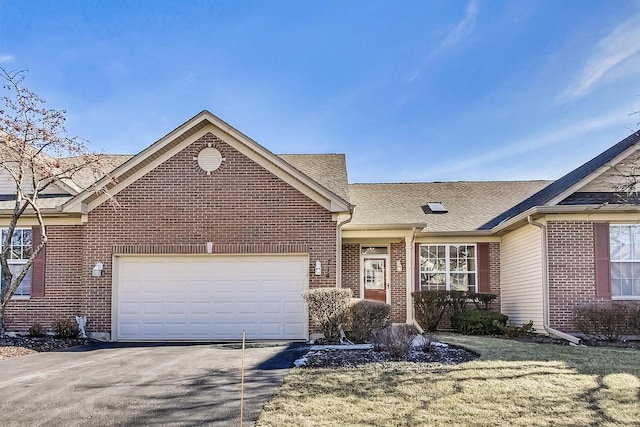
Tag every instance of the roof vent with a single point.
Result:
(434, 208)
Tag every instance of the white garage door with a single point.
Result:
(176, 297)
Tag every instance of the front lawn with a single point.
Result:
(513, 383)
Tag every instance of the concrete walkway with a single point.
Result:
(146, 384)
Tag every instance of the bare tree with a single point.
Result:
(35, 154)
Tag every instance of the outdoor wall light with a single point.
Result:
(398, 265)
(318, 268)
(97, 270)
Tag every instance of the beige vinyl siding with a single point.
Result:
(521, 276)
(615, 177)
(8, 185)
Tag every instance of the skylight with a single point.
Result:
(434, 207)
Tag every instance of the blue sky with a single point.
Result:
(409, 90)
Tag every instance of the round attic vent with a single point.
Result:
(209, 159)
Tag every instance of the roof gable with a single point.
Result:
(572, 182)
(181, 137)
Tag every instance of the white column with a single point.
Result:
(409, 275)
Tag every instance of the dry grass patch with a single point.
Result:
(513, 383)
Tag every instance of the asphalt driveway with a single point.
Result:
(142, 385)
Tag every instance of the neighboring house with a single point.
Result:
(211, 234)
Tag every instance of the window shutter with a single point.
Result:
(484, 273)
(38, 267)
(602, 259)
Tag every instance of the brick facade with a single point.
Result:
(398, 283)
(571, 270)
(176, 203)
(351, 268)
(494, 273)
(63, 295)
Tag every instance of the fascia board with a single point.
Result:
(399, 226)
(49, 220)
(469, 233)
(563, 209)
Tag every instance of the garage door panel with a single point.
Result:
(191, 297)
(271, 307)
(151, 308)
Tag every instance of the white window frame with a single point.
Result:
(448, 272)
(26, 282)
(623, 261)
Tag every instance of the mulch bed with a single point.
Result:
(440, 355)
(22, 346)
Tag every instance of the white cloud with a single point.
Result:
(618, 118)
(619, 45)
(464, 28)
(458, 33)
(6, 58)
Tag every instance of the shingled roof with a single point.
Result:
(561, 185)
(469, 204)
(328, 170)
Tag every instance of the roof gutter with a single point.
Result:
(545, 285)
(339, 246)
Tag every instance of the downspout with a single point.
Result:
(545, 286)
(339, 247)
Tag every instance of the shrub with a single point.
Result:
(367, 316)
(65, 328)
(604, 321)
(396, 339)
(513, 331)
(37, 330)
(330, 308)
(479, 322)
(481, 300)
(634, 318)
(429, 308)
(458, 301)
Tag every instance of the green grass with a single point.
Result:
(512, 384)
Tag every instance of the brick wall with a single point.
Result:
(63, 293)
(571, 270)
(177, 203)
(494, 273)
(351, 268)
(398, 283)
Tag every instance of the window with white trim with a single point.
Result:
(448, 267)
(624, 251)
(19, 254)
